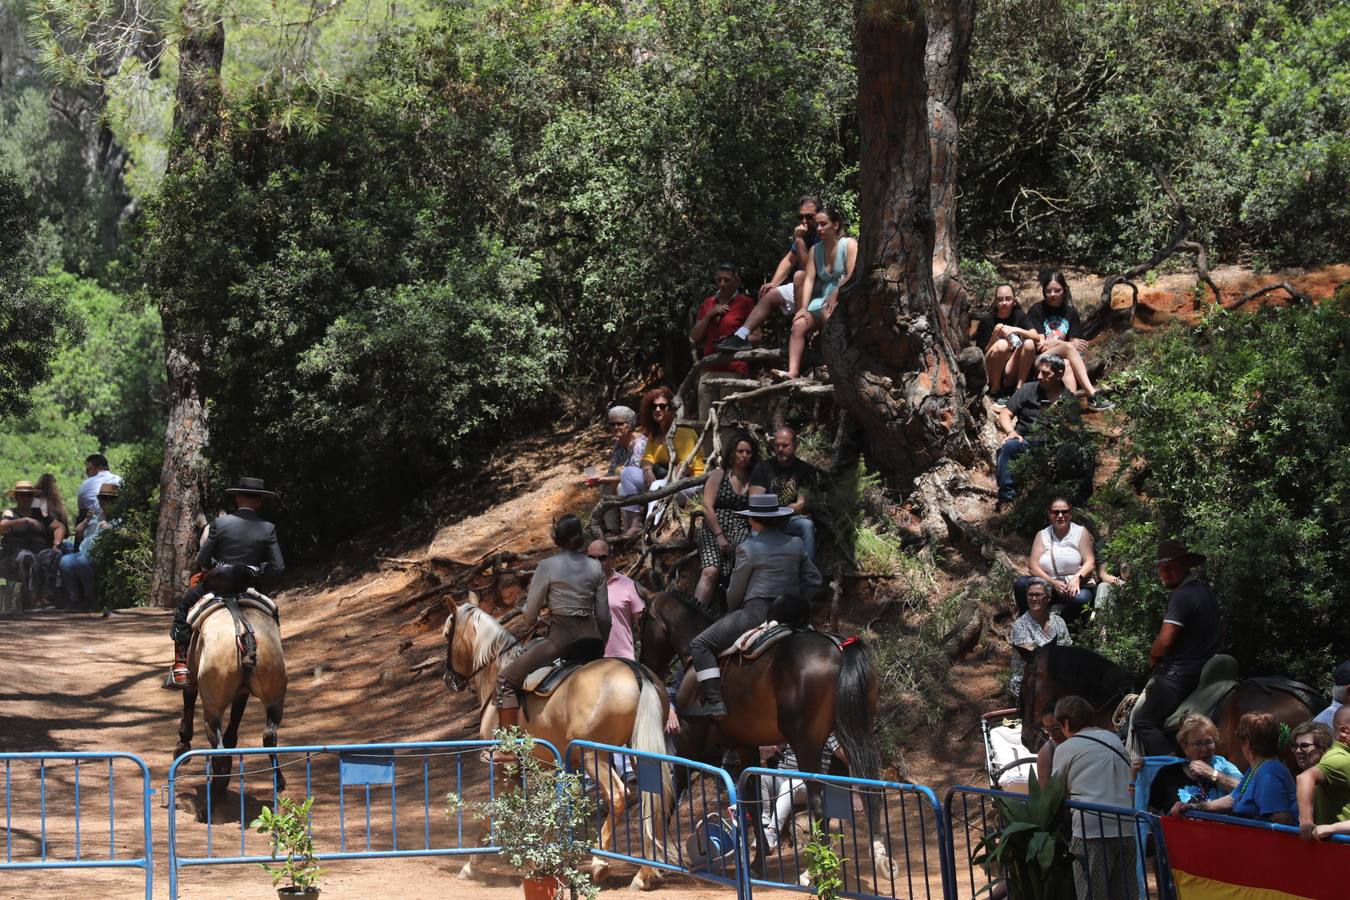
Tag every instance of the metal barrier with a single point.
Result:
(695, 832)
(890, 834)
(63, 840)
(1107, 858)
(430, 768)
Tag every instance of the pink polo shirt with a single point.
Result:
(624, 607)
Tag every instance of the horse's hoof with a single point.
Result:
(466, 873)
(599, 871)
(181, 749)
(647, 882)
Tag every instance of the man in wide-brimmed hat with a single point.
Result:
(1192, 632)
(238, 538)
(769, 564)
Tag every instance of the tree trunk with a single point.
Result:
(891, 361)
(182, 481)
(946, 60)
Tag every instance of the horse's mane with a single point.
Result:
(490, 637)
(692, 603)
(1091, 675)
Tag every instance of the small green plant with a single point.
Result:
(823, 862)
(288, 830)
(538, 821)
(1030, 848)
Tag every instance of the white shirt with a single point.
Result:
(1327, 715)
(87, 495)
(1061, 556)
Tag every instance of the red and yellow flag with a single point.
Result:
(1218, 861)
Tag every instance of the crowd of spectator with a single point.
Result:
(46, 560)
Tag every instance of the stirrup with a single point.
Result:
(179, 672)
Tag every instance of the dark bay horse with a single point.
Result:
(1053, 671)
(796, 693)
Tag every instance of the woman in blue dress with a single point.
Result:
(828, 267)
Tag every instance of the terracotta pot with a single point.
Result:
(290, 893)
(545, 888)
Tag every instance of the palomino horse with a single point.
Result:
(604, 701)
(797, 692)
(225, 680)
(1053, 671)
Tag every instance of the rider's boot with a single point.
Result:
(179, 673)
(711, 692)
(507, 717)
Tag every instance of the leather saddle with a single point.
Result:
(1219, 678)
(545, 680)
(755, 642)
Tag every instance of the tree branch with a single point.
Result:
(1294, 293)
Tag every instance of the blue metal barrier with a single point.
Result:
(88, 787)
(430, 769)
(1259, 823)
(891, 835)
(1115, 867)
(699, 811)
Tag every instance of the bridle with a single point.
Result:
(453, 680)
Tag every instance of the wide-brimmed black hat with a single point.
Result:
(1170, 550)
(252, 486)
(765, 506)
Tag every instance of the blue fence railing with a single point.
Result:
(682, 816)
(61, 812)
(890, 835)
(371, 800)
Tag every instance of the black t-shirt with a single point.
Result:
(1194, 607)
(28, 538)
(785, 482)
(1060, 323)
(1029, 401)
(1169, 781)
(985, 332)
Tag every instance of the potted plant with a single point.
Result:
(1030, 849)
(288, 830)
(537, 821)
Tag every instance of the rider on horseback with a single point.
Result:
(238, 538)
(769, 564)
(573, 587)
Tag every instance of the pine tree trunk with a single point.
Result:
(182, 481)
(891, 361)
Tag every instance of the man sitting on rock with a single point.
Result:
(719, 317)
(238, 538)
(769, 564)
(1018, 420)
(788, 478)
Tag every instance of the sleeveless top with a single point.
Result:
(1060, 556)
(827, 279)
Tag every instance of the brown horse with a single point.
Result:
(1053, 671)
(796, 693)
(604, 701)
(225, 679)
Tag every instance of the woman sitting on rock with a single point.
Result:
(829, 266)
(1035, 628)
(1063, 553)
(1055, 320)
(624, 475)
(726, 491)
(1008, 342)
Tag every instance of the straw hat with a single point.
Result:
(23, 487)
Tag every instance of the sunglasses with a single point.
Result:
(601, 558)
(1061, 512)
(807, 217)
(660, 406)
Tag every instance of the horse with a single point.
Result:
(796, 692)
(226, 677)
(609, 701)
(1053, 671)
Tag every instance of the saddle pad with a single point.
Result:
(544, 681)
(1204, 700)
(758, 639)
(210, 604)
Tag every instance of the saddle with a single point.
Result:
(1219, 678)
(543, 681)
(246, 642)
(755, 642)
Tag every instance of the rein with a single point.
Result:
(457, 681)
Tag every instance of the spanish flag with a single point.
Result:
(1218, 861)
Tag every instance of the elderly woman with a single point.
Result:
(1308, 742)
(1035, 628)
(1267, 791)
(1064, 554)
(624, 475)
(726, 491)
(1203, 775)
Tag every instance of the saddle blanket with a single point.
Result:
(545, 680)
(210, 604)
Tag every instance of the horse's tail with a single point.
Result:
(649, 736)
(854, 709)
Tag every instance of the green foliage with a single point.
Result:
(124, 555)
(32, 320)
(1030, 849)
(540, 822)
(289, 832)
(1059, 466)
(1071, 106)
(823, 863)
(1258, 482)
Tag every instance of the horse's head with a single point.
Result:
(459, 641)
(1037, 691)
